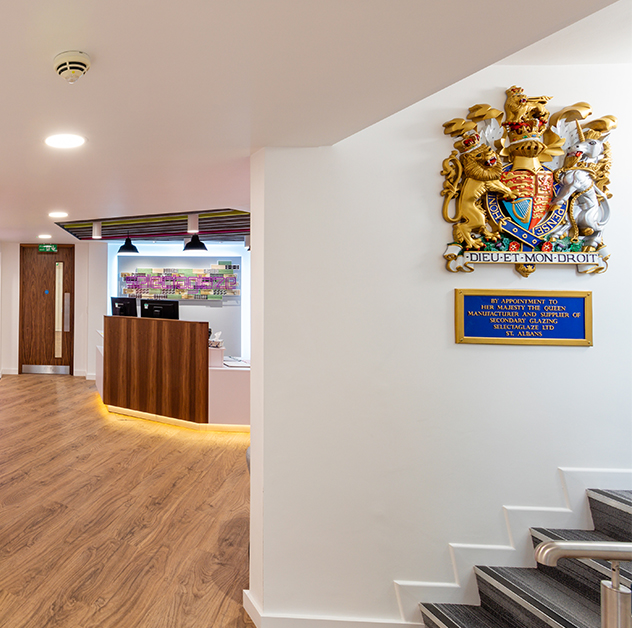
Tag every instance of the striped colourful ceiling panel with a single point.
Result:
(215, 224)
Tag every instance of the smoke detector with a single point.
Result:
(72, 65)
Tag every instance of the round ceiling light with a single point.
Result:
(65, 140)
(58, 214)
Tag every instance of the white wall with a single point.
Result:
(10, 306)
(97, 302)
(1, 310)
(258, 374)
(377, 441)
(82, 288)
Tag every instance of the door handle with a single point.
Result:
(59, 307)
(66, 311)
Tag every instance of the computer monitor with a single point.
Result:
(124, 306)
(155, 308)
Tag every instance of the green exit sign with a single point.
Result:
(47, 248)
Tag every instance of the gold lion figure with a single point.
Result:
(467, 179)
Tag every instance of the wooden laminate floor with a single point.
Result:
(107, 521)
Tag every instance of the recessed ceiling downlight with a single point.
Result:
(65, 140)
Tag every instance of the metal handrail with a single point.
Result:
(616, 600)
(550, 552)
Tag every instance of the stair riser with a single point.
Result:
(577, 576)
(456, 616)
(583, 576)
(506, 609)
(503, 606)
(611, 521)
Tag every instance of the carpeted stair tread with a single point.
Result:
(623, 497)
(458, 616)
(573, 535)
(529, 598)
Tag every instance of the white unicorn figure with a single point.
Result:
(583, 178)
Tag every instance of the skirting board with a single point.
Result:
(519, 519)
(15, 372)
(202, 427)
(263, 620)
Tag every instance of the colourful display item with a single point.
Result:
(182, 283)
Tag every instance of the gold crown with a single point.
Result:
(526, 119)
(531, 129)
(469, 141)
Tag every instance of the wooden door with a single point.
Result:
(47, 305)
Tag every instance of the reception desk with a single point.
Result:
(159, 369)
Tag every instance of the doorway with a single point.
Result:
(47, 306)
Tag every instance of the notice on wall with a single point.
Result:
(523, 317)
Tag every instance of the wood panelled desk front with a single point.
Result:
(156, 366)
(159, 369)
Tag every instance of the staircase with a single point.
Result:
(566, 596)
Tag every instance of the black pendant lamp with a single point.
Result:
(128, 247)
(195, 244)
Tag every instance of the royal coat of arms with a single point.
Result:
(527, 187)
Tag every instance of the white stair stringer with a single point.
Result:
(519, 553)
(279, 620)
(576, 482)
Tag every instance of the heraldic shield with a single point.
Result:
(507, 200)
(528, 217)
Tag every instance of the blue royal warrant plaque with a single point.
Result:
(523, 317)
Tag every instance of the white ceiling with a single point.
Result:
(604, 37)
(181, 93)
